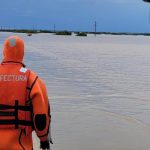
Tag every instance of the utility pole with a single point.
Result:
(54, 28)
(95, 26)
(33, 27)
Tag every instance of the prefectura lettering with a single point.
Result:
(13, 77)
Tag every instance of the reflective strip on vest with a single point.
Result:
(14, 112)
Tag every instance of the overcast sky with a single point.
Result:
(111, 15)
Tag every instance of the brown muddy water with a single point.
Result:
(99, 89)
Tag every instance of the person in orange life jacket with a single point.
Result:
(24, 105)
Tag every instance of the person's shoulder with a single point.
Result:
(33, 74)
(33, 77)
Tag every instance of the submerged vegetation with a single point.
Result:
(25, 31)
(65, 32)
(81, 34)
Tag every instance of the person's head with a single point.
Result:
(13, 49)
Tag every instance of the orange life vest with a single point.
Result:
(14, 111)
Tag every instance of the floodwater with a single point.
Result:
(99, 89)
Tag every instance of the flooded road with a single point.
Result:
(99, 89)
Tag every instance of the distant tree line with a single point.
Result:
(65, 32)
